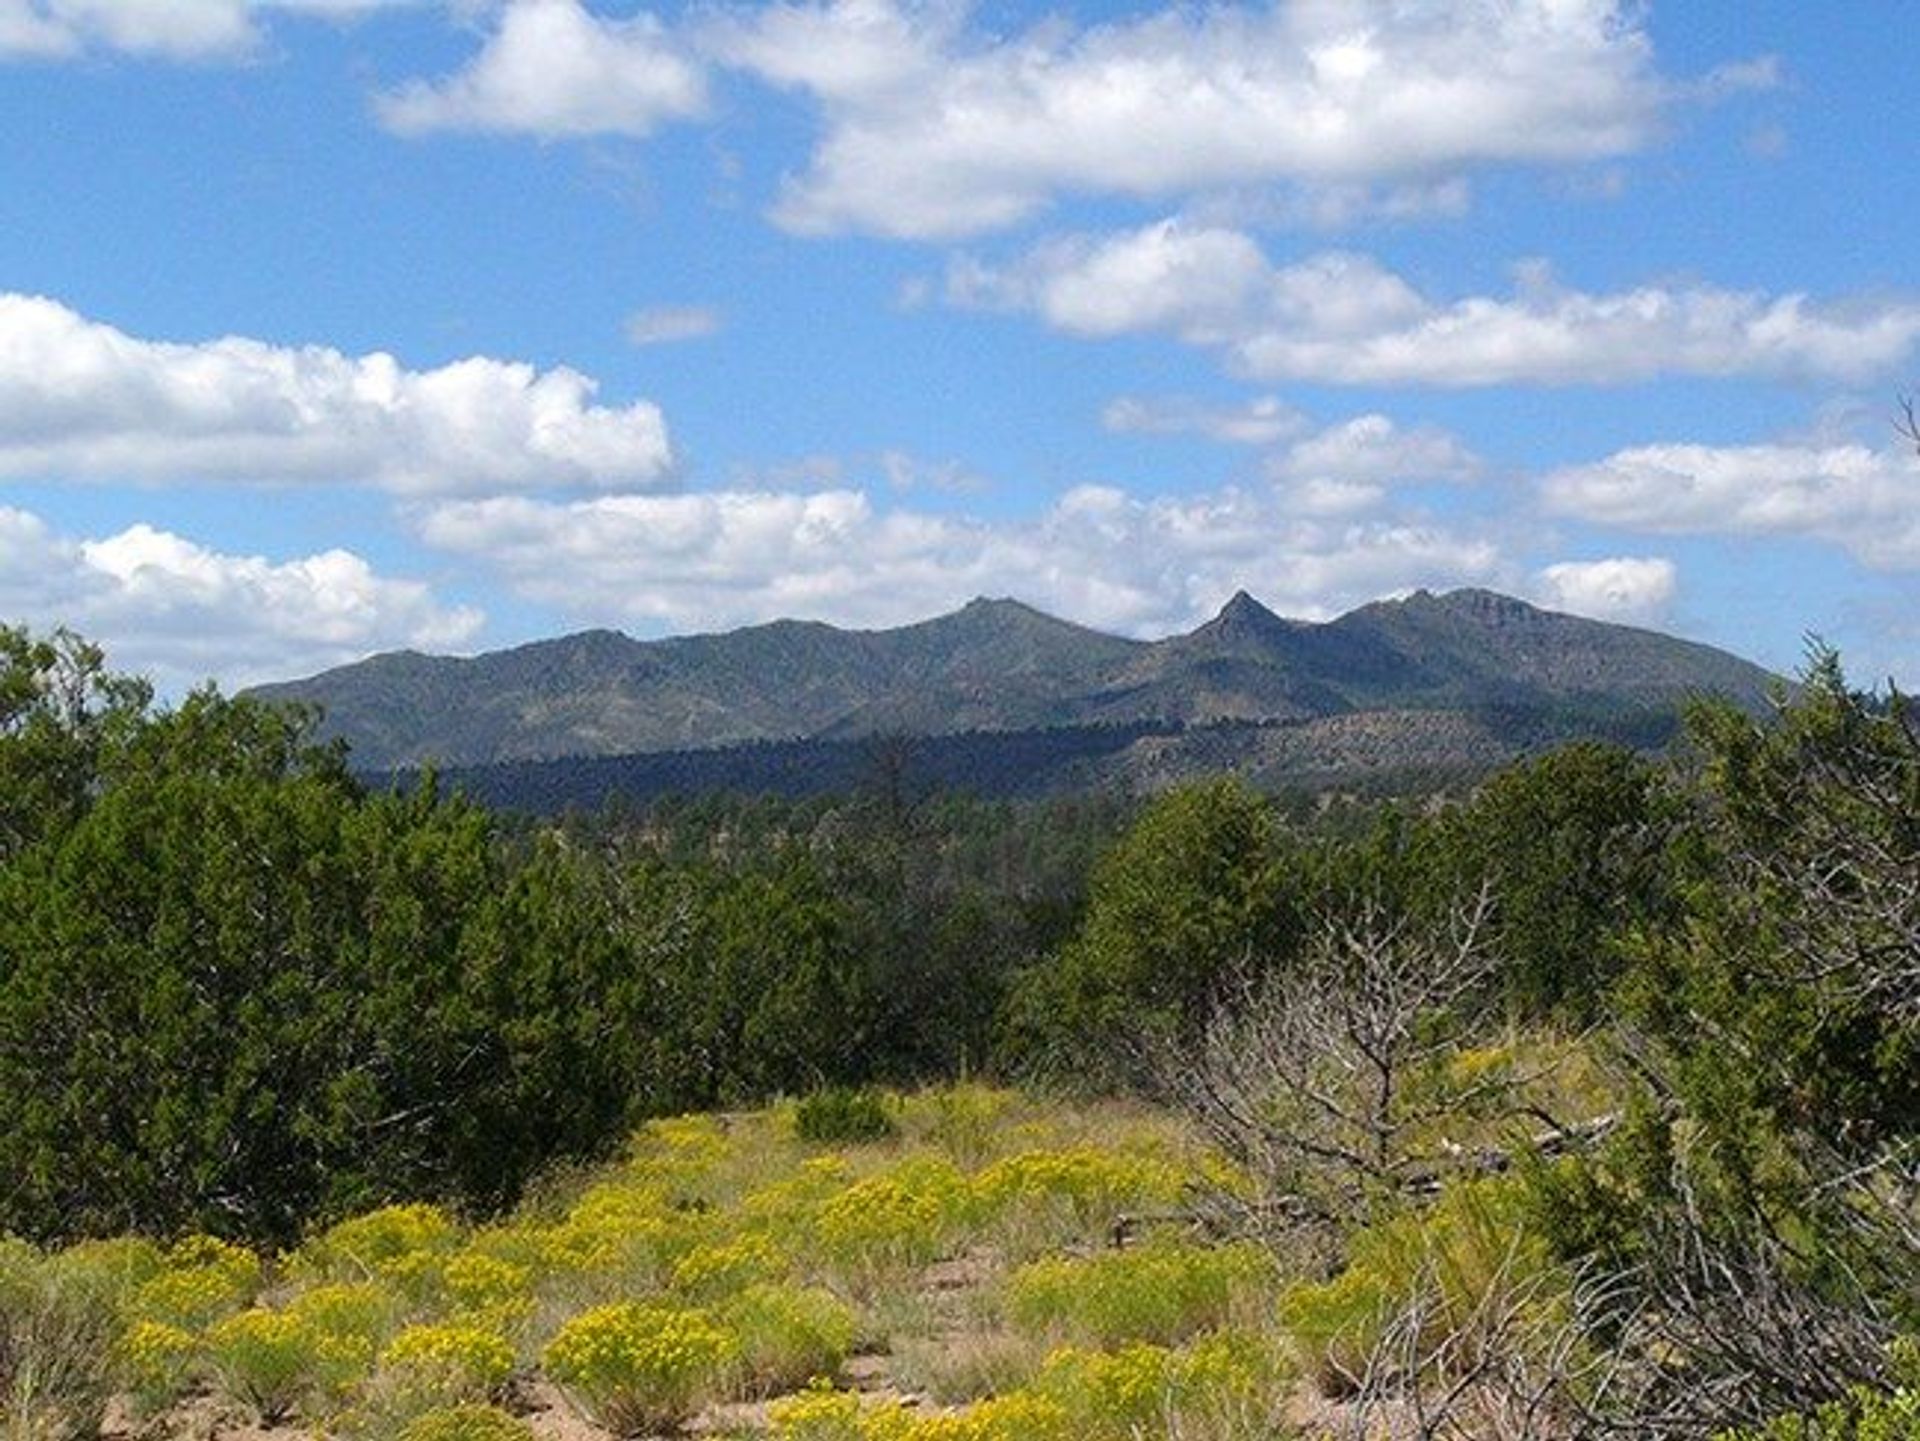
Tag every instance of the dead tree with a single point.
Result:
(1332, 1083)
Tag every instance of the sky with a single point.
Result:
(330, 327)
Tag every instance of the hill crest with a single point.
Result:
(1000, 665)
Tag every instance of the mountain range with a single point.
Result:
(1461, 679)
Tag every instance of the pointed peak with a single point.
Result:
(1244, 609)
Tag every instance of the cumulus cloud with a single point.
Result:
(932, 129)
(1864, 500)
(81, 400)
(165, 606)
(553, 69)
(160, 29)
(1374, 448)
(1144, 566)
(1342, 318)
(1633, 590)
(49, 29)
(668, 324)
(1261, 421)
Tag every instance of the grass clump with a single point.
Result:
(635, 1368)
(843, 1116)
(57, 1336)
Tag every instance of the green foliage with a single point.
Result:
(842, 1115)
(1571, 847)
(1863, 1414)
(1193, 894)
(63, 717)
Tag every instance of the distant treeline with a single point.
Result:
(1029, 764)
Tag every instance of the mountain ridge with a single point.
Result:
(1000, 665)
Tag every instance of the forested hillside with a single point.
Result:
(1586, 1104)
(1001, 668)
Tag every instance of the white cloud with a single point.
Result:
(553, 69)
(667, 324)
(1342, 318)
(159, 29)
(167, 607)
(1097, 554)
(1261, 421)
(1632, 590)
(81, 400)
(1866, 501)
(934, 130)
(1373, 448)
(165, 29)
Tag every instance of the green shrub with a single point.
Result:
(1157, 1292)
(843, 1116)
(634, 1368)
(787, 1335)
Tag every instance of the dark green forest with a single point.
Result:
(244, 992)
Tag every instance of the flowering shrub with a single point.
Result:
(1080, 1185)
(1160, 1292)
(355, 1310)
(466, 1423)
(156, 1362)
(1016, 1416)
(964, 1120)
(398, 1243)
(1143, 1390)
(900, 1217)
(716, 1270)
(632, 1367)
(819, 1413)
(787, 1335)
(434, 1366)
(479, 1282)
(1136, 1392)
(113, 1268)
(203, 1279)
(270, 1360)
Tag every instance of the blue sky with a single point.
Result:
(337, 326)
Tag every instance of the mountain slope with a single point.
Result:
(1000, 666)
